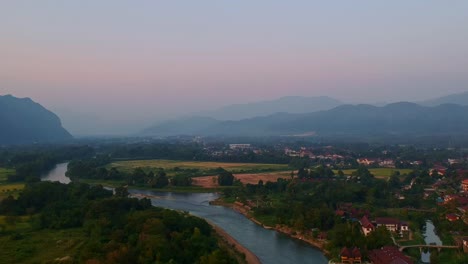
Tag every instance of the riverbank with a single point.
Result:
(238, 207)
(250, 257)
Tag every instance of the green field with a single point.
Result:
(7, 188)
(4, 174)
(19, 243)
(198, 168)
(44, 246)
(380, 172)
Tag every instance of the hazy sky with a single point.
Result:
(148, 59)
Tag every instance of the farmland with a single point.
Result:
(196, 168)
(4, 174)
(245, 178)
(7, 188)
(380, 172)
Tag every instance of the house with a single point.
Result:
(388, 163)
(322, 236)
(439, 169)
(459, 200)
(462, 242)
(464, 185)
(239, 146)
(367, 161)
(392, 224)
(366, 225)
(452, 217)
(388, 255)
(349, 255)
(306, 153)
(291, 153)
(454, 161)
(465, 244)
(463, 209)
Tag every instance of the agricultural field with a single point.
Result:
(7, 188)
(245, 178)
(196, 168)
(380, 172)
(4, 174)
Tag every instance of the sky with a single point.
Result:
(128, 63)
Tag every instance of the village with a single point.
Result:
(439, 186)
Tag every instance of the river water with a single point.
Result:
(429, 237)
(57, 174)
(268, 245)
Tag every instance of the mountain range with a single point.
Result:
(459, 98)
(287, 104)
(24, 121)
(397, 119)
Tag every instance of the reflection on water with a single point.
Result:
(430, 237)
(57, 174)
(268, 245)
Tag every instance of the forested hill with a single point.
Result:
(25, 121)
(288, 104)
(398, 119)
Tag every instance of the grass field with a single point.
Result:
(7, 188)
(380, 172)
(196, 167)
(44, 246)
(4, 174)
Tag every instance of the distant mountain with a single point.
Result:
(289, 104)
(460, 99)
(398, 119)
(24, 121)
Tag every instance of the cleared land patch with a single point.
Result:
(252, 178)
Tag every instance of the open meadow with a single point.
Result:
(7, 188)
(196, 168)
(379, 172)
(4, 174)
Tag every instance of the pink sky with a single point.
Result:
(150, 60)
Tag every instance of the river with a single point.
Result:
(57, 174)
(268, 245)
(429, 237)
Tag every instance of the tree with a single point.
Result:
(181, 180)
(225, 178)
(121, 191)
(394, 182)
(341, 174)
(378, 238)
(161, 180)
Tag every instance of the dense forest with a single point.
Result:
(107, 228)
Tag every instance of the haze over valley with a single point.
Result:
(234, 132)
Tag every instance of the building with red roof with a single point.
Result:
(452, 217)
(388, 255)
(366, 225)
(351, 255)
(464, 185)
